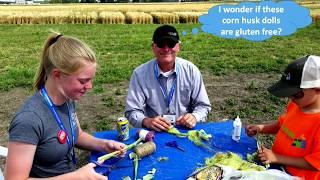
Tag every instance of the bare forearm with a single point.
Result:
(271, 128)
(88, 142)
(295, 162)
(68, 176)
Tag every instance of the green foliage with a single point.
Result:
(118, 92)
(121, 48)
(62, 1)
(251, 86)
(109, 101)
(253, 158)
(84, 126)
(98, 88)
(104, 124)
(196, 136)
(87, 1)
(230, 101)
(176, 132)
(232, 160)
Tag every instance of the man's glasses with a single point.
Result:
(170, 44)
(298, 95)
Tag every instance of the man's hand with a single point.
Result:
(157, 123)
(187, 120)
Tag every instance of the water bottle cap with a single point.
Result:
(237, 119)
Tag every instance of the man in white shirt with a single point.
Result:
(166, 90)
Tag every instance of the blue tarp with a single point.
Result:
(179, 164)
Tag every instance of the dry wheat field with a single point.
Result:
(142, 13)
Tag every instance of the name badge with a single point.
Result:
(171, 118)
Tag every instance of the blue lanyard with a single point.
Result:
(60, 123)
(168, 98)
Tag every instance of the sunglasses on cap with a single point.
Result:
(298, 95)
(170, 44)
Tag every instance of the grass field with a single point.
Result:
(236, 72)
(121, 48)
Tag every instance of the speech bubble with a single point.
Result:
(255, 21)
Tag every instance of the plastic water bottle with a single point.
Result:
(236, 133)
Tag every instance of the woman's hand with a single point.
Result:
(111, 146)
(87, 172)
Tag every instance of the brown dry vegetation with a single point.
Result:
(113, 13)
(105, 14)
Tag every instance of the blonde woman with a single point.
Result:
(44, 132)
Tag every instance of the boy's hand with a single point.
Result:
(266, 156)
(252, 130)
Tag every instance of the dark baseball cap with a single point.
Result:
(165, 32)
(290, 82)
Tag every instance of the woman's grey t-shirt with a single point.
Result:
(34, 124)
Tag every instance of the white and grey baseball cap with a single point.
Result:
(303, 73)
